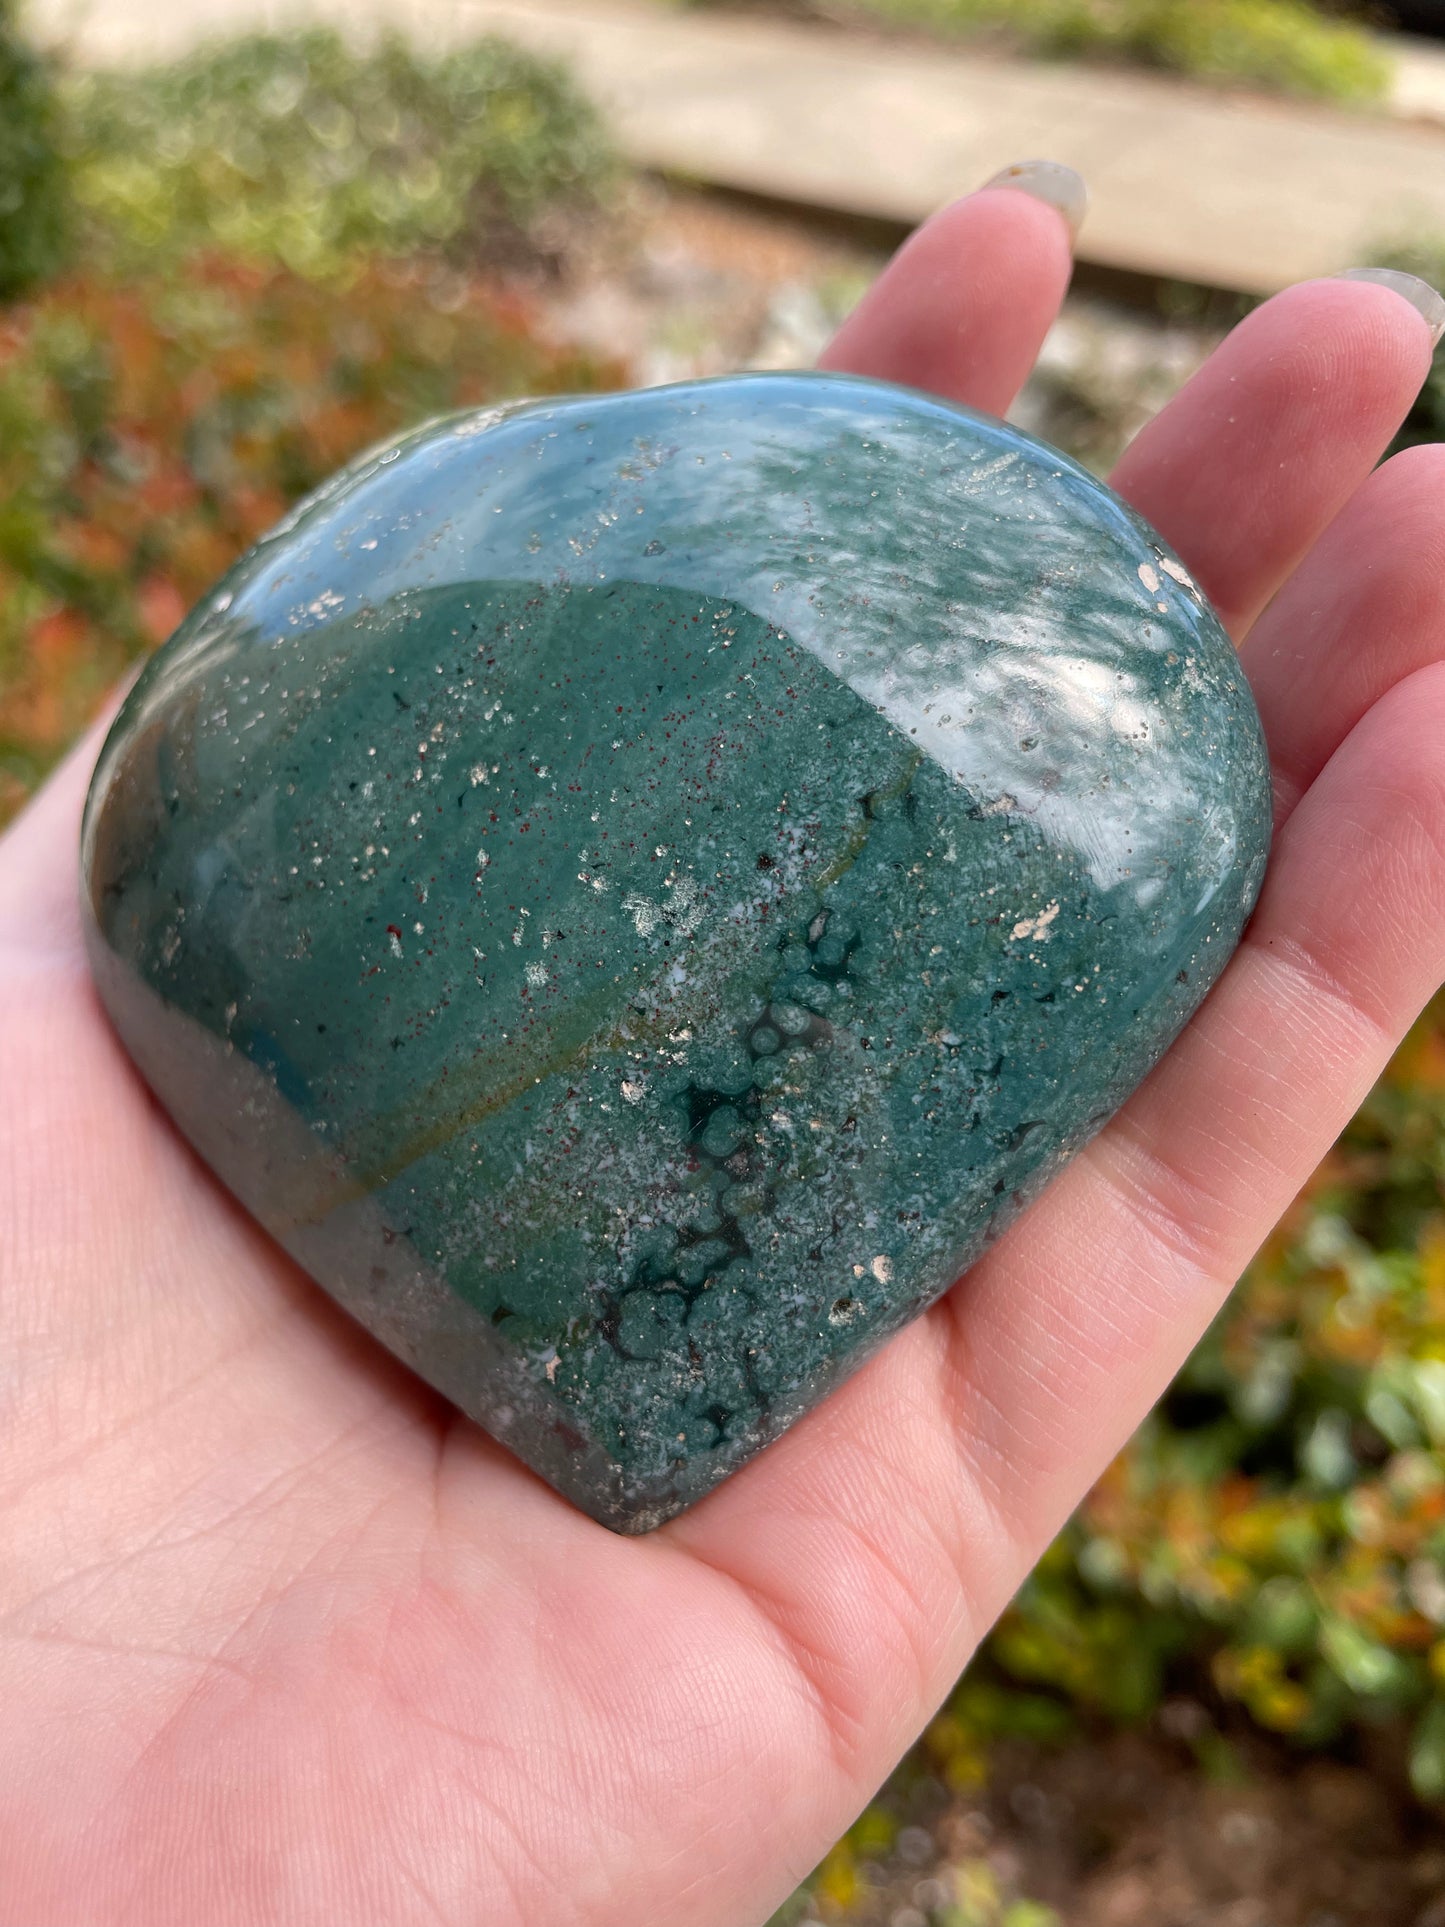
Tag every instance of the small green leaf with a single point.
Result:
(1427, 1753)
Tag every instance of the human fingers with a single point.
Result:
(962, 308)
(1259, 452)
(1365, 608)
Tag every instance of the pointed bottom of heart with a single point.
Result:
(236, 1120)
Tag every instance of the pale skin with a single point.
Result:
(283, 1640)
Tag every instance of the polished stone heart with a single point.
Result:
(635, 893)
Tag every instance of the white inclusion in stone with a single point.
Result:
(1036, 927)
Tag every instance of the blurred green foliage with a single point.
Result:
(34, 199)
(153, 425)
(973, 1895)
(196, 370)
(1288, 45)
(304, 150)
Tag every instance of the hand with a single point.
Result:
(284, 1642)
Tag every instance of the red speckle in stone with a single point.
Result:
(394, 930)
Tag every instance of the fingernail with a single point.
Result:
(1420, 295)
(1049, 181)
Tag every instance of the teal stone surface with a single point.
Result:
(634, 893)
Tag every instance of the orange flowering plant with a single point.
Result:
(150, 428)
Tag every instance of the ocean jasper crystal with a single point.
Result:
(634, 893)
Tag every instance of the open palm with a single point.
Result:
(283, 1640)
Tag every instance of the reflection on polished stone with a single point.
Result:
(634, 893)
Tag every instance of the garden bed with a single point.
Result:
(1279, 46)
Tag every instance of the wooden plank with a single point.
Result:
(1231, 191)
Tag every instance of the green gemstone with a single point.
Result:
(635, 893)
